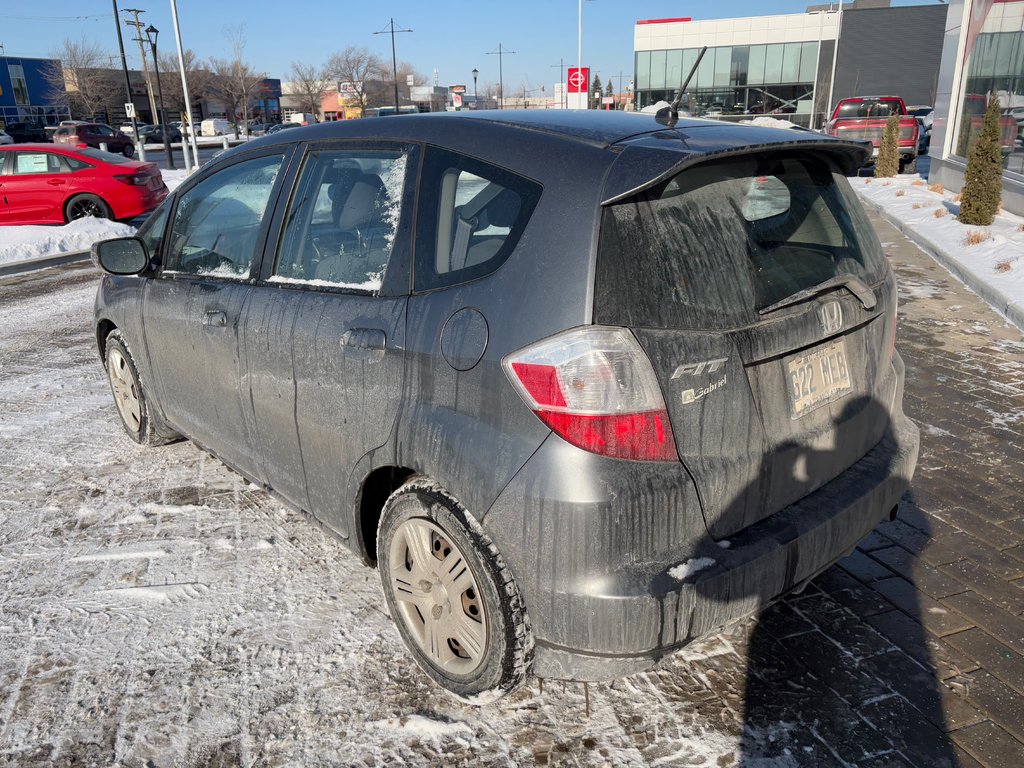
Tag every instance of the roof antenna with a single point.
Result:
(669, 115)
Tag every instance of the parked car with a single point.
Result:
(216, 127)
(926, 117)
(92, 135)
(23, 133)
(56, 183)
(583, 386)
(5, 138)
(277, 127)
(864, 117)
(154, 134)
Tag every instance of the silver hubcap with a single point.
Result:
(438, 598)
(126, 393)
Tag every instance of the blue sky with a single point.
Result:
(453, 37)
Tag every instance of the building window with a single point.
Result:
(19, 83)
(995, 67)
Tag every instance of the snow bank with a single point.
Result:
(990, 260)
(173, 178)
(31, 242)
(769, 122)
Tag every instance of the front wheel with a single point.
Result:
(142, 425)
(129, 150)
(451, 595)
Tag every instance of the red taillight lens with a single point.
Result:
(595, 388)
(136, 180)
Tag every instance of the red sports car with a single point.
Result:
(53, 184)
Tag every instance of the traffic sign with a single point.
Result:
(129, 109)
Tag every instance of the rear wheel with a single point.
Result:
(84, 206)
(142, 425)
(451, 595)
(129, 150)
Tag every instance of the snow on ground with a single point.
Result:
(173, 178)
(30, 242)
(769, 122)
(993, 256)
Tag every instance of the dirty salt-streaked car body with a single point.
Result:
(584, 387)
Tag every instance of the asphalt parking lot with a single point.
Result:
(158, 610)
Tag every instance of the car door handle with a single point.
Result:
(56, 182)
(364, 338)
(215, 319)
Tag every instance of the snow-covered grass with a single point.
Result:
(989, 259)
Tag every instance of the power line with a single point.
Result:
(52, 18)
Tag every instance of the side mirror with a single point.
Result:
(121, 256)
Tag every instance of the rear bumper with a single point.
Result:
(596, 617)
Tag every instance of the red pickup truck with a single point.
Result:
(864, 117)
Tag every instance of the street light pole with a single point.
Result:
(835, 61)
(394, 58)
(501, 74)
(476, 104)
(151, 35)
(124, 66)
(187, 117)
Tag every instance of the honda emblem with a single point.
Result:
(831, 316)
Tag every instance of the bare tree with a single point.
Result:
(199, 79)
(308, 84)
(358, 68)
(404, 70)
(234, 81)
(82, 80)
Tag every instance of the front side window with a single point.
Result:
(218, 221)
(341, 222)
(473, 215)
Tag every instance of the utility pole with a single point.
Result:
(394, 58)
(501, 74)
(142, 55)
(124, 66)
(565, 86)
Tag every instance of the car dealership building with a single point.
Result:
(784, 64)
(982, 56)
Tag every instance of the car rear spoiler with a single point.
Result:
(650, 160)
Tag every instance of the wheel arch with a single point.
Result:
(374, 491)
(103, 329)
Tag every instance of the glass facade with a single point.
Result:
(733, 80)
(995, 67)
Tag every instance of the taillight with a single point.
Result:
(596, 389)
(134, 179)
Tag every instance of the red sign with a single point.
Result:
(579, 79)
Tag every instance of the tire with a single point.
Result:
(908, 166)
(140, 422)
(479, 645)
(84, 206)
(129, 150)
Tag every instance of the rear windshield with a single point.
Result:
(720, 241)
(106, 157)
(868, 108)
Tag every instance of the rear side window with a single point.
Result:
(26, 163)
(718, 242)
(472, 216)
(342, 219)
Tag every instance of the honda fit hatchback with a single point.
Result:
(583, 387)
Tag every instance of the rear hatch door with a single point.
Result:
(759, 291)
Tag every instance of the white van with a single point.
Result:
(302, 118)
(216, 126)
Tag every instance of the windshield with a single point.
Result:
(868, 108)
(722, 240)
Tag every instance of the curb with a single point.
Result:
(1003, 304)
(43, 262)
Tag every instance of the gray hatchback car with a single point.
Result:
(583, 386)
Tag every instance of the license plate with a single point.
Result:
(817, 378)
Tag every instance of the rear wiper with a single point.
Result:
(855, 285)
